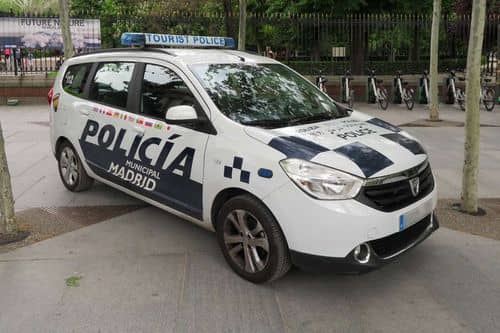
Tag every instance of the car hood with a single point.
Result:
(359, 144)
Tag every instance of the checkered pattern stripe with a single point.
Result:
(238, 166)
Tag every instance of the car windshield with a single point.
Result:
(265, 95)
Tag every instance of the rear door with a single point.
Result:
(105, 135)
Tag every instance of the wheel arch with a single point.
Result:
(59, 142)
(227, 194)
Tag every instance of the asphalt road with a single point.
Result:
(149, 271)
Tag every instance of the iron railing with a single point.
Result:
(306, 42)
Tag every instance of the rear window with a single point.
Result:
(111, 82)
(75, 78)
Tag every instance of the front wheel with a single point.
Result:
(382, 98)
(251, 240)
(489, 99)
(409, 99)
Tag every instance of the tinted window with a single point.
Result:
(111, 81)
(75, 78)
(162, 89)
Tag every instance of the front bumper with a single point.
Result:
(382, 250)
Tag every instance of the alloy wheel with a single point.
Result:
(69, 166)
(246, 241)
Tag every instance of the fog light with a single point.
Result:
(362, 253)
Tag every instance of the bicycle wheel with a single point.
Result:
(489, 99)
(409, 99)
(382, 98)
(461, 99)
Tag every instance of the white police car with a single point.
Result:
(245, 146)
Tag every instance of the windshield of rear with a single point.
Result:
(264, 94)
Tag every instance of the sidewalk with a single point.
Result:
(149, 271)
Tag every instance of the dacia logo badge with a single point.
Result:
(414, 186)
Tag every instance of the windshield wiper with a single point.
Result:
(267, 123)
(311, 118)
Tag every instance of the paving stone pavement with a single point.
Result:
(149, 271)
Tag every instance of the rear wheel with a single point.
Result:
(489, 98)
(251, 240)
(71, 170)
(382, 100)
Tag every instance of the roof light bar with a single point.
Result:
(148, 39)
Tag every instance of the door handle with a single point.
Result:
(84, 112)
(140, 130)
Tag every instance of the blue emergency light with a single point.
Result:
(148, 39)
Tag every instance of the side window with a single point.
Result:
(110, 84)
(75, 78)
(162, 89)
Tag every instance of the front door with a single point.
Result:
(170, 156)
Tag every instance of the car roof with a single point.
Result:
(185, 56)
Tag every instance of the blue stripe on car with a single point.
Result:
(384, 124)
(295, 147)
(367, 159)
(408, 143)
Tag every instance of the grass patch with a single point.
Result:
(73, 281)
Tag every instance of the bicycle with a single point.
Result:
(321, 81)
(455, 95)
(487, 94)
(404, 94)
(378, 91)
(424, 83)
(347, 91)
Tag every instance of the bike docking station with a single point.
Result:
(370, 93)
(396, 95)
(423, 89)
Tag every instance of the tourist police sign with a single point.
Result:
(142, 39)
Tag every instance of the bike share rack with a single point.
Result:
(396, 96)
(370, 94)
(420, 90)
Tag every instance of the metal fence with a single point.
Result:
(307, 42)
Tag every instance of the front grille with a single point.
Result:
(388, 246)
(396, 195)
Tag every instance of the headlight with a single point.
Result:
(320, 181)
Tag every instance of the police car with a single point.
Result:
(242, 145)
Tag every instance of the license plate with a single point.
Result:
(413, 216)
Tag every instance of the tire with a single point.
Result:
(410, 99)
(383, 101)
(71, 171)
(267, 260)
(489, 99)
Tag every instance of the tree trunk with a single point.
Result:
(228, 15)
(433, 70)
(8, 219)
(471, 147)
(242, 34)
(358, 46)
(65, 29)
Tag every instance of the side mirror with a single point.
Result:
(181, 114)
